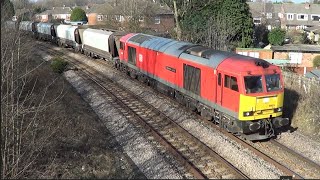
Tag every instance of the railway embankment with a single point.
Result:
(302, 104)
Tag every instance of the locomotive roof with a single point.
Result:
(189, 51)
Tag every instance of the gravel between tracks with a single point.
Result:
(243, 159)
(133, 143)
(302, 144)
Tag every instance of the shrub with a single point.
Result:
(78, 14)
(316, 61)
(276, 36)
(58, 65)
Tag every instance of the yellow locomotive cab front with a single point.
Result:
(260, 107)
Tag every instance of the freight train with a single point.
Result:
(241, 94)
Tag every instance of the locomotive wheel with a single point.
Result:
(133, 75)
(205, 115)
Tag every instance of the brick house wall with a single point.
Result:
(306, 61)
(255, 52)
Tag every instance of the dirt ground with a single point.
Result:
(77, 145)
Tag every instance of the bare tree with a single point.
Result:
(23, 132)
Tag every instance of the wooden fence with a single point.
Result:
(300, 83)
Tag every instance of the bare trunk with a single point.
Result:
(178, 28)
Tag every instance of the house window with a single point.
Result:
(254, 54)
(119, 18)
(295, 57)
(100, 17)
(280, 15)
(157, 20)
(257, 21)
(302, 17)
(243, 53)
(315, 17)
(269, 15)
(290, 16)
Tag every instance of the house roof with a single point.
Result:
(100, 9)
(313, 74)
(314, 29)
(57, 10)
(297, 48)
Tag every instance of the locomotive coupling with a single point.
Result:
(279, 122)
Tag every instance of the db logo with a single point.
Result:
(140, 58)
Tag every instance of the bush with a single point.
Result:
(316, 61)
(78, 14)
(276, 36)
(58, 65)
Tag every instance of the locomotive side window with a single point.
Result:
(253, 84)
(191, 78)
(219, 79)
(121, 46)
(132, 55)
(227, 81)
(234, 84)
(231, 83)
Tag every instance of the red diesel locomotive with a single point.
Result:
(244, 95)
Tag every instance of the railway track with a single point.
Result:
(198, 158)
(287, 170)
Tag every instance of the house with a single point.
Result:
(55, 13)
(265, 13)
(287, 15)
(150, 15)
(299, 16)
(298, 57)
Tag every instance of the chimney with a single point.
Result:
(52, 7)
(307, 5)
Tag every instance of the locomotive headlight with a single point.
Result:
(278, 109)
(249, 113)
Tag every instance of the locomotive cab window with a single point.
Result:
(273, 82)
(191, 78)
(132, 55)
(231, 83)
(253, 84)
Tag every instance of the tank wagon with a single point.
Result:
(243, 95)
(46, 31)
(70, 36)
(28, 27)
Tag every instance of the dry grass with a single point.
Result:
(302, 104)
